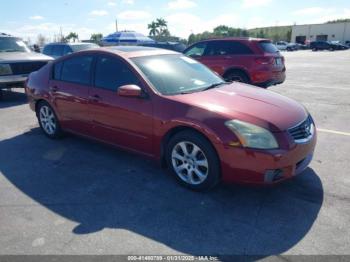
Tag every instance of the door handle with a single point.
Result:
(95, 98)
(54, 89)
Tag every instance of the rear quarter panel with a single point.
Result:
(37, 85)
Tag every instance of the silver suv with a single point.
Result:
(17, 62)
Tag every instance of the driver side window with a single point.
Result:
(197, 50)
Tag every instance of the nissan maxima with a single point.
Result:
(169, 107)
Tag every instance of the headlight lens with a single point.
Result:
(252, 136)
(5, 69)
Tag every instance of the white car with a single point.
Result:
(17, 61)
(285, 46)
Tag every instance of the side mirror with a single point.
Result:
(130, 91)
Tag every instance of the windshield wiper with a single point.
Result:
(204, 89)
(215, 85)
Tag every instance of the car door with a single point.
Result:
(123, 121)
(223, 55)
(69, 88)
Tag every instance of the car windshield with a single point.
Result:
(82, 47)
(177, 74)
(11, 44)
(268, 47)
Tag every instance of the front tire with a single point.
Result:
(48, 120)
(193, 161)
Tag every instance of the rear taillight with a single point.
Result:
(265, 60)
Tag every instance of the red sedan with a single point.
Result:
(170, 107)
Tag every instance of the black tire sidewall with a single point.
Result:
(243, 77)
(209, 151)
(58, 131)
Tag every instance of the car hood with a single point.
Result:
(247, 103)
(10, 57)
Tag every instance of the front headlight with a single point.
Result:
(5, 69)
(252, 136)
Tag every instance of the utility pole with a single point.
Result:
(116, 25)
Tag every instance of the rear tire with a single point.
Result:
(237, 76)
(48, 120)
(193, 161)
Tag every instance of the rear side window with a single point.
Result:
(48, 50)
(268, 47)
(196, 50)
(112, 73)
(228, 48)
(77, 70)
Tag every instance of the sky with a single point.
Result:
(28, 18)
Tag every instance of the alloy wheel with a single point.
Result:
(190, 163)
(48, 120)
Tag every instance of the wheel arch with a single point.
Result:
(237, 69)
(177, 129)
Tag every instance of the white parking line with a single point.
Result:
(333, 132)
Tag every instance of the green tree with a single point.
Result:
(153, 29)
(96, 38)
(72, 36)
(162, 25)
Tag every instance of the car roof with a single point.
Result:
(70, 44)
(251, 39)
(135, 51)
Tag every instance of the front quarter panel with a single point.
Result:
(169, 114)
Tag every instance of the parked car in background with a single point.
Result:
(170, 107)
(340, 45)
(248, 60)
(302, 46)
(174, 46)
(325, 45)
(57, 50)
(17, 61)
(285, 46)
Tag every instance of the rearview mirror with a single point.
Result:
(130, 91)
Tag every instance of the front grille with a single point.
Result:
(25, 68)
(302, 132)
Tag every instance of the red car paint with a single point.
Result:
(144, 125)
(259, 65)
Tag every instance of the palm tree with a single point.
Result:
(153, 29)
(73, 36)
(162, 24)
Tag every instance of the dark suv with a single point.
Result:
(57, 50)
(248, 60)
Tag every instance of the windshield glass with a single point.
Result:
(77, 48)
(11, 44)
(176, 74)
(268, 47)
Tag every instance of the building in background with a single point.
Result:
(321, 32)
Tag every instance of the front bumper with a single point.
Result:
(12, 81)
(251, 166)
